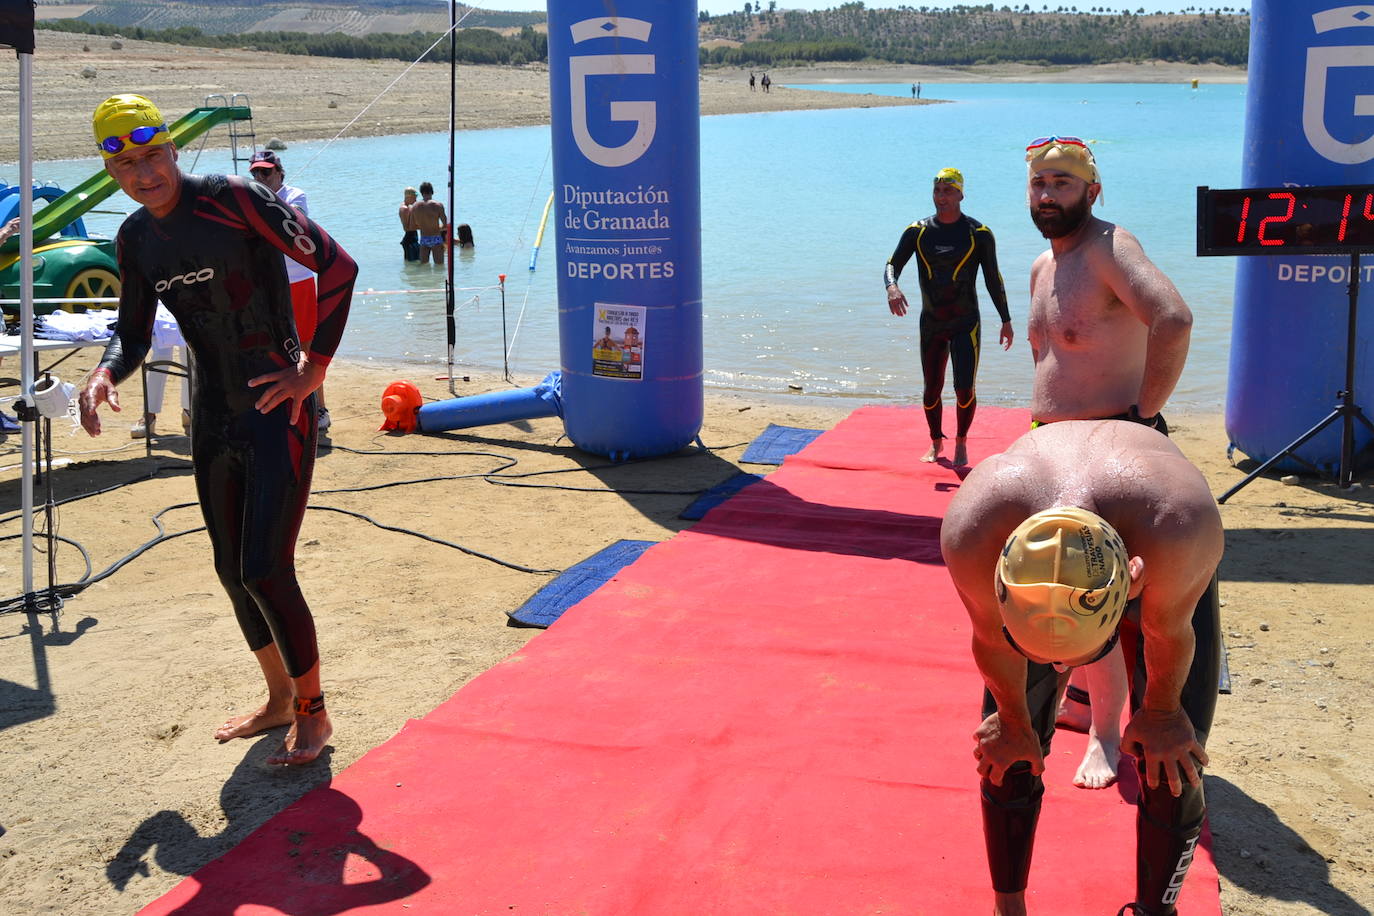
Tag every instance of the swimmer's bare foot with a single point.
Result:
(306, 740)
(1098, 769)
(1074, 714)
(934, 453)
(260, 720)
(960, 453)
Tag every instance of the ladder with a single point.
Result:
(241, 133)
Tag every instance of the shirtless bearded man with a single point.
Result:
(1109, 335)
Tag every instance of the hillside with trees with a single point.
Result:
(753, 37)
(970, 35)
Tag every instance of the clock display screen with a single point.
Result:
(1313, 220)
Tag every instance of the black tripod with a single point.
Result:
(1346, 409)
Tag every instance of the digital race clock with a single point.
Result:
(1314, 220)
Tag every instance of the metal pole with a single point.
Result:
(1347, 471)
(505, 346)
(452, 180)
(49, 521)
(26, 354)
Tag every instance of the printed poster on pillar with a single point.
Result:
(618, 227)
(619, 348)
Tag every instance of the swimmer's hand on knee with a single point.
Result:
(99, 390)
(294, 384)
(1165, 739)
(1001, 743)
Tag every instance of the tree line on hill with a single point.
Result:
(962, 36)
(968, 35)
(474, 46)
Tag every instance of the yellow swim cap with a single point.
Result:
(1066, 154)
(950, 176)
(124, 120)
(1062, 583)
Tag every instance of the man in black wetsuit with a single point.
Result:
(950, 247)
(210, 247)
(1046, 544)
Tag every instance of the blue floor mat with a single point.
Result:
(718, 494)
(777, 442)
(577, 582)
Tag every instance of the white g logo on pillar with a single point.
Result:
(1319, 61)
(643, 114)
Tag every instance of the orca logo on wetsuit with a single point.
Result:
(186, 279)
(1180, 872)
(303, 243)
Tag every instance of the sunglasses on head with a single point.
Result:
(139, 136)
(1046, 141)
(1062, 667)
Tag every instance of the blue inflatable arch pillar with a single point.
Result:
(1309, 120)
(627, 198)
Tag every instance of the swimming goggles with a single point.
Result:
(139, 136)
(1046, 141)
(1060, 666)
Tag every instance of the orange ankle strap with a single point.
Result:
(310, 706)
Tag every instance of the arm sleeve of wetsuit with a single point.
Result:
(133, 334)
(305, 242)
(992, 277)
(906, 247)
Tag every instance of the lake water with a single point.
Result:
(800, 211)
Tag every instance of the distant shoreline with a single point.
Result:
(1124, 72)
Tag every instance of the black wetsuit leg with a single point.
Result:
(935, 346)
(1011, 810)
(964, 348)
(1167, 828)
(253, 476)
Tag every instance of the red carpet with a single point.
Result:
(769, 714)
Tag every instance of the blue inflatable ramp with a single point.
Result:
(577, 582)
(718, 494)
(777, 442)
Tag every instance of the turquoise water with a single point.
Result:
(800, 211)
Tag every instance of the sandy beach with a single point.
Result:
(112, 788)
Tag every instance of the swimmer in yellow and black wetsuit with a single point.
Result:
(950, 246)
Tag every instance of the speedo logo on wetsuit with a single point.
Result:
(304, 243)
(190, 278)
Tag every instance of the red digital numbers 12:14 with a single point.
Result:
(1366, 210)
(1345, 213)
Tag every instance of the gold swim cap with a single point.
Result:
(1066, 154)
(1062, 583)
(127, 120)
(950, 176)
